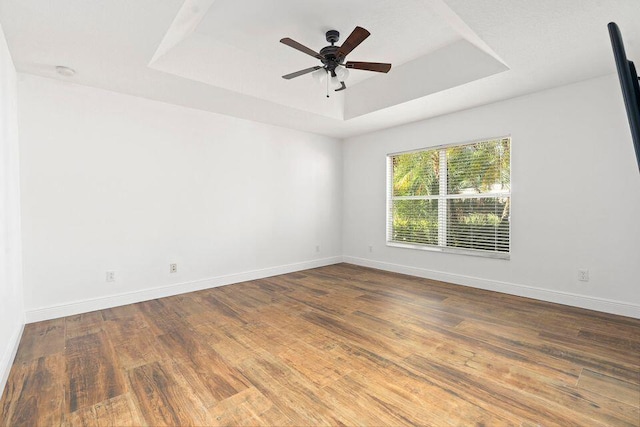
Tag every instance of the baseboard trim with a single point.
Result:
(84, 306)
(77, 307)
(9, 356)
(566, 298)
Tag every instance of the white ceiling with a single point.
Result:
(224, 56)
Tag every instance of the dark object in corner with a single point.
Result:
(630, 87)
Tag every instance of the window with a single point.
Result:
(454, 198)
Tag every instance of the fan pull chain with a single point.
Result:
(328, 78)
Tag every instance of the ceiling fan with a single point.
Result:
(333, 58)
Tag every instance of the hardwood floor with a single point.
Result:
(338, 345)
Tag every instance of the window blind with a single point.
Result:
(456, 197)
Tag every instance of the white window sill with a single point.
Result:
(457, 251)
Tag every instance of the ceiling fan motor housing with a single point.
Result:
(331, 59)
(330, 56)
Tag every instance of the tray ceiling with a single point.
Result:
(224, 56)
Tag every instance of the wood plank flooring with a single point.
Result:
(338, 345)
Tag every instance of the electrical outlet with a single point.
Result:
(111, 276)
(583, 275)
(317, 248)
(173, 268)
(370, 248)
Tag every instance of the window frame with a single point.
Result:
(444, 197)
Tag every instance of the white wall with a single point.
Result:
(115, 182)
(576, 198)
(11, 307)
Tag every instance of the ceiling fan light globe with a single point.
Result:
(335, 82)
(320, 75)
(342, 73)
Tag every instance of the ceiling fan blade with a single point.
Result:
(369, 66)
(356, 37)
(302, 48)
(300, 73)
